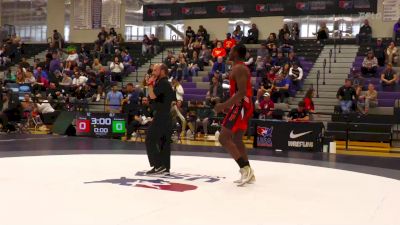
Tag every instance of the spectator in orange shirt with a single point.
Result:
(229, 42)
(218, 51)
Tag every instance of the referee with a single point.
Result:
(158, 138)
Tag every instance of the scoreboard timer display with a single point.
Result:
(107, 125)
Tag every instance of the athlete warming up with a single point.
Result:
(158, 137)
(240, 109)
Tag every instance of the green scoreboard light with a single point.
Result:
(119, 126)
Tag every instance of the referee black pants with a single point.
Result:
(158, 142)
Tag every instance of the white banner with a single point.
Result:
(111, 13)
(82, 14)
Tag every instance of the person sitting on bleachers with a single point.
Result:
(219, 65)
(249, 61)
(205, 56)
(300, 114)
(116, 68)
(346, 95)
(260, 66)
(292, 59)
(66, 81)
(252, 34)
(263, 51)
(271, 41)
(369, 65)
(39, 71)
(141, 115)
(280, 89)
(389, 78)
(266, 107)
(218, 51)
(323, 32)
(29, 78)
(127, 60)
(3, 56)
(146, 45)
(20, 76)
(202, 33)
(280, 60)
(357, 79)
(238, 33)
(79, 78)
(173, 68)
(368, 100)
(204, 113)
(392, 53)
(189, 36)
(286, 44)
(296, 75)
(380, 51)
(214, 94)
(155, 44)
(308, 100)
(283, 31)
(365, 33)
(102, 36)
(229, 42)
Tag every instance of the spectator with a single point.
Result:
(249, 61)
(203, 116)
(396, 30)
(155, 44)
(357, 79)
(10, 109)
(119, 40)
(180, 113)
(142, 116)
(194, 65)
(72, 59)
(292, 59)
(96, 66)
(146, 45)
(266, 107)
(127, 61)
(190, 36)
(280, 92)
(178, 89)
(205, 56)
(229, 42)
(39, 71)
(218, 51)
(44, 107)
(27, 105)
(29, 78)
(79, 80)
(308, 100)
(66, 80)
(300, 114)
(260, 66)
(114, 100)
(286, 44)
(280, 60)
(263, 51)
(112, 33)
(102, 36)
(389, 77)
(214, 95)
(346, 95)
(173, 68)
(20, 76)
(323, 32)
(368, 100)
(365, 34)
(380, 53)
(392, 53)
(272, 41)
(252, 34)
(369, 65)
(55, 65)
(24, 63)
(219, 65)
(58, 39)
(283, 31)
(116, 69)
(238, 33)
(202, 33)
(182, 68)
(295, 34)
(296, 75)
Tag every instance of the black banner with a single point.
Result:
(288, 136)
(256, 8)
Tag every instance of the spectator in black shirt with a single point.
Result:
(286, 44)
(389, 77)
(346, 95)
(142, 115)
(252, 37)
(283, 31)
(379, 52)
(365, 34)
(146, 45)
(190, 36)
(202, 32)
(300, 114)
(215, 92)
(102, 36)
(295, 32)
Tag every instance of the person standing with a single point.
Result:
(240, 110)
(159, 133)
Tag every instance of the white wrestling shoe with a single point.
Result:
(247, 175)
(251, 181)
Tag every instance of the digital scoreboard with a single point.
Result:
(107, 125)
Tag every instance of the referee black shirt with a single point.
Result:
(164, 97)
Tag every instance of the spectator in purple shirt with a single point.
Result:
(55, 63)
(39, 71)
(396, 30)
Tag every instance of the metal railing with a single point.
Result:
(323, 72)
(330, 61)
(318, 76)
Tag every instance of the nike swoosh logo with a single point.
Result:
(294, 136)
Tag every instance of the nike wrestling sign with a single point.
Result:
(288, 136)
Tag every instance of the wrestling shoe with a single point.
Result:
(247, 175)
(156, 171)
(251, 181)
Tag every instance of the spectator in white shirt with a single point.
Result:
(177, 87)
(116, 69)
(44, 107)
(296, 75)
(79, 79)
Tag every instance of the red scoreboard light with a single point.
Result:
(83, 126)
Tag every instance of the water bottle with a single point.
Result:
(216, 135)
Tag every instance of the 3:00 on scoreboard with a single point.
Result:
(107, 125)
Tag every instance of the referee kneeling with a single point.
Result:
(158, 138)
